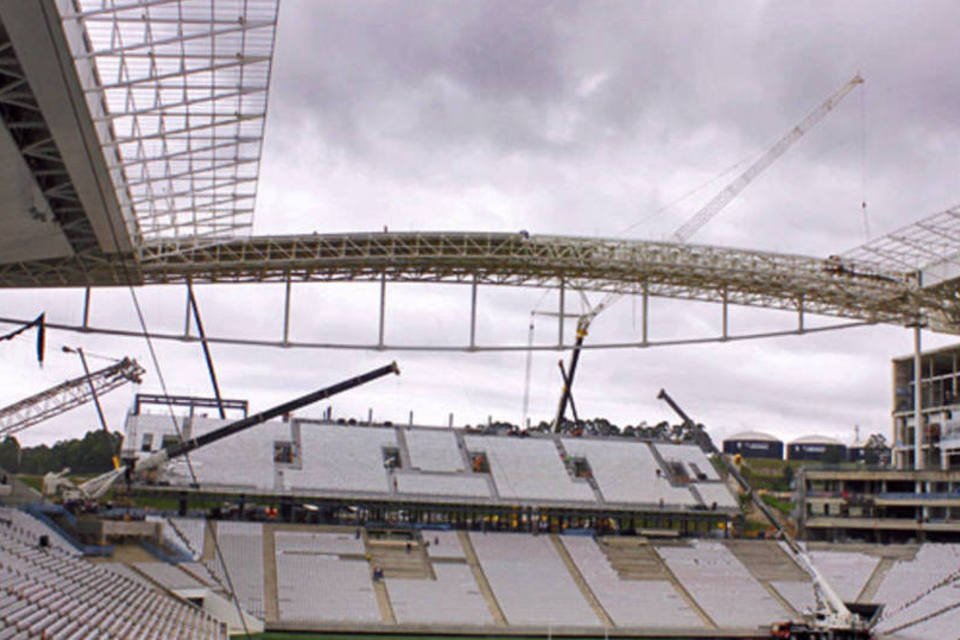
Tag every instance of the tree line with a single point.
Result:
(91, 454)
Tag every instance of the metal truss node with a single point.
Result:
(930, 247)
(178, 93)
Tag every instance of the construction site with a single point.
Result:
(131, 143)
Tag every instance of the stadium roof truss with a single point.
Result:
(930, 247)
(177, 90)
(149, 115)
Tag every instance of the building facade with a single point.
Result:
(878, 505)
(940, 410)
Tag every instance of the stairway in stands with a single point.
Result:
(391, 555)
(766, 560)
(633, 558)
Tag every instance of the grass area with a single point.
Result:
(32, 481)
(783, 506)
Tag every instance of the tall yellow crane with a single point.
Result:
(701, 218)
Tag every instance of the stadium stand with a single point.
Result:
(715, 578)
(318, 543)
(798, 595)
(168, 576)
(340, 458)
(241, 544)
(460, 484)
(630, 603)
(453, 598)
(185, 535)
(716, 493)
(217, 466)
(695, 462)
(26, 527)
(908, 579)
(626, 471)
(444, 544)
(315, 585)
(434, 450)
(418, 463)
(50, 592)
(846, 571)
(522, 569)
(529, 468)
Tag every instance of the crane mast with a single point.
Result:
(67, 395)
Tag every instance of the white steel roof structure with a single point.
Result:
(178, 91)
(130, 137)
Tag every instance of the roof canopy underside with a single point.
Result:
(177, 90)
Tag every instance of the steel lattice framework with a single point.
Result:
(832, 287)
(66, 396)
(847, 289)
(25, 121)
(927, 245)
(178, 92)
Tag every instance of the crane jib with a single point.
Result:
(194, 443)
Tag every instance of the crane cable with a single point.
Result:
(863, 164)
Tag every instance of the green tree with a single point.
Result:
(10, 454)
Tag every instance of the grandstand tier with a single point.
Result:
(420, 470)
(328, 578)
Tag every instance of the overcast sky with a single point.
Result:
(565, 118)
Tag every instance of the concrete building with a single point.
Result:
(940, 408)
(754, 444)
(878, 505)
(817, 448)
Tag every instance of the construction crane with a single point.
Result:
(68, 395)
(702, 217)
(732, 190)
(832, 618)
(57, 484)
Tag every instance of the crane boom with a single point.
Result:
(67, 395)
(722, 199)
(836, 614)
(97, 487)
(702, 217)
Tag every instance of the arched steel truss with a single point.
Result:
(856, 291)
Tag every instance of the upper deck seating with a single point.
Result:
(433, 450)
(626, 471)
(529, 468)
(692, 457)
(342, 458)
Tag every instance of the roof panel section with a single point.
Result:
(180, 94)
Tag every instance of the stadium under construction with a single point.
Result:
(131, 135)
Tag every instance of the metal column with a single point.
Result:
(918, 458)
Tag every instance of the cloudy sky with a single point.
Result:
(595, 119)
